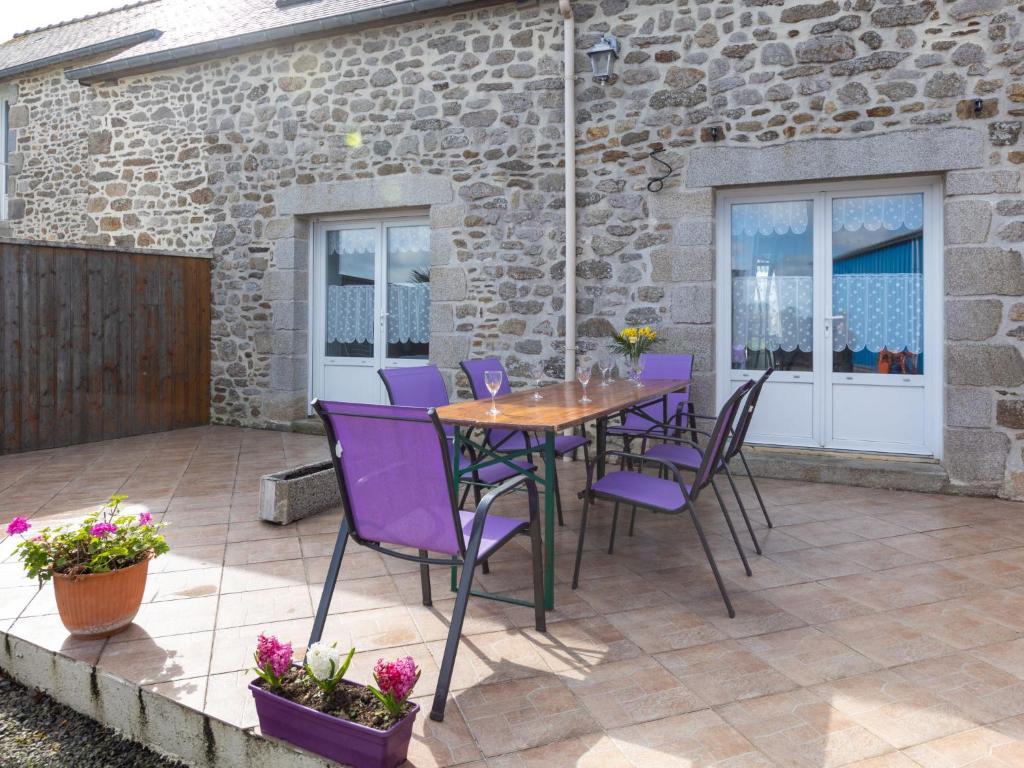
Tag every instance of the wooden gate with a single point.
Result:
(99, 343)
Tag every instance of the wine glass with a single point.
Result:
(638, 371)
(492, 380)
(605, 365)
(536, 375)
(583, 377)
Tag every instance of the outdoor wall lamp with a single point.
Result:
(602, 56)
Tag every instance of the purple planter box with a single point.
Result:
(340, 740)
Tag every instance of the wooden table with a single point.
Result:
(560, 409)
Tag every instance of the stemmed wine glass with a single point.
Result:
(583, 377)
(605, 365)
(638, 371)
(536, 374)
(492, 379)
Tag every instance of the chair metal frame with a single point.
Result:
(704, 477)
(468, 550)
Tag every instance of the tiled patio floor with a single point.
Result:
(881, 629)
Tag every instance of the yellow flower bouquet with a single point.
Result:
(633, 342)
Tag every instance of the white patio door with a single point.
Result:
(370, 304)
(839, 289)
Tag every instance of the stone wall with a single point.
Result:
(204, 157)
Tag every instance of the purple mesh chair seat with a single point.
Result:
(497, 530)
(686, 456)
(393, 466)
(642, 490)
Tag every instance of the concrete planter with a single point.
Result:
(297, 493)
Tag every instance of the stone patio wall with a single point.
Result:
(461, 115)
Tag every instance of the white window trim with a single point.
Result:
(316, 228)
(931, 186)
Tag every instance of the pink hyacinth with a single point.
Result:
(396, 677)
(145, 518)
(102, 529)
(17, 525)
(270, 650)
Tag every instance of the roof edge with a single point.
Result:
(125, 41)
(171, 57)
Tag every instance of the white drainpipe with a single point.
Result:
(568, 75)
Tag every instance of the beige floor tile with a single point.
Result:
(797, 728)
(986, 747)
(885, 639)
(1008, 656)
(181, 585)
(263, 606)
(581, 643)
(630, 692)
(985, 692)
(48, 632)
(724, 671)
(808, 656)
(608, 595)
(491, 658)
(956, 624)
(191, 691)
(665, 628)
(13, 600)
(591, 751)
(179, 617)
(821, 534)
(521, 714)
(891, 707)
(446, 743)
(754, 614)
(1003, 569)
(888, 760)
(233, 647)
(157, 660)
(359, 594)
(815, 603)
(228, 698)
(699, 739)
(249, 552)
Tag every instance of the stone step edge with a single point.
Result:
(139, 714)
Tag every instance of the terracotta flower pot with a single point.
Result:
(100, 604)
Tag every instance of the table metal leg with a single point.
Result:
(550, 489)
(602, 440)
(457, 447)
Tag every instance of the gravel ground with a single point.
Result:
(37, 732)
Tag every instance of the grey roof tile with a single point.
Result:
(183, 23)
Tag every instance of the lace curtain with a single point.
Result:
(350, 315)
(880, 311)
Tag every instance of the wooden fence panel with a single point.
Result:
(97, 343)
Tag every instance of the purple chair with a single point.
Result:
(423, 386)
(636, 422)
(509, 440)
(668, 496)
(687, 454)
(394, 472)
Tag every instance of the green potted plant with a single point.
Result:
(98, 566)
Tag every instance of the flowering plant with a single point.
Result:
(273, 660)
(633, 342)
(395, 681)
(104, 541)
(325, 666)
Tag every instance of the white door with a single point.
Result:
(371, 304)
(840, 290)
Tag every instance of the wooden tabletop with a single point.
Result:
(560, 409)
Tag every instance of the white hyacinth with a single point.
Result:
(323, 661)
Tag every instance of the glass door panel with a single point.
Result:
(408, 292)
(875, 325)
(772, 284)
(350, 279)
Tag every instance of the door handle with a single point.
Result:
(836, 317)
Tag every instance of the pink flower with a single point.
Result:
(17, 525)
(271, 651)
(102, 529)
(145, 518)
(397, 677)
(38, 537)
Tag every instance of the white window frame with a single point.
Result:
(822, 193)
(316, 228)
